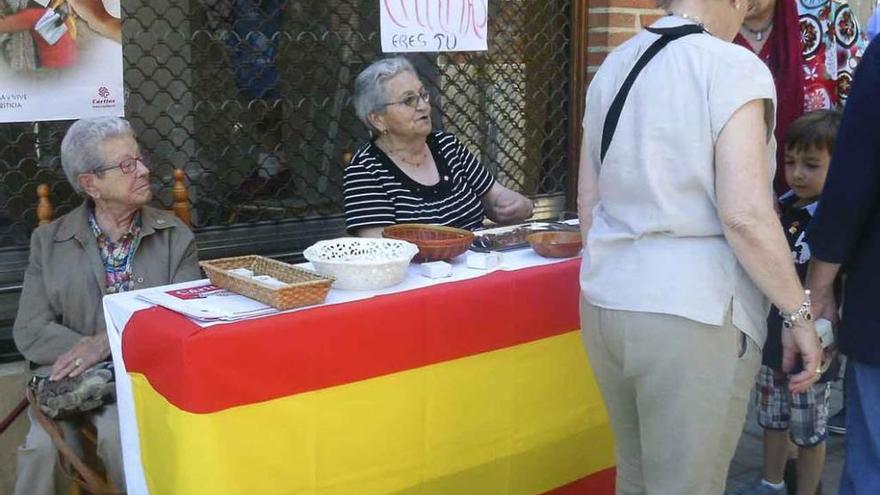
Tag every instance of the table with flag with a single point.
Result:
(476, 386)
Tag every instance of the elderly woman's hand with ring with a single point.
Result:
(82, 356)
(802, 339)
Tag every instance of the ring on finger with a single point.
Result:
(78, 362)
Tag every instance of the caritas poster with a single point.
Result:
(433, 25)
(60, 59)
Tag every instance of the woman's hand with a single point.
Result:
(801, 339)
(505, 206)
(82, 356)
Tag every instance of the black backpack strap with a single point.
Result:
(667, 35)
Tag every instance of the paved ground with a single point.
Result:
(747, 464)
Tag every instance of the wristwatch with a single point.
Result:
(802, 312)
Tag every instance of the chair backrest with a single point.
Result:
(44, 205)
(180, 207)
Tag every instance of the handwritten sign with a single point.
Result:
(434, 25)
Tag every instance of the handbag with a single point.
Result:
(66, 399)
(70, 397)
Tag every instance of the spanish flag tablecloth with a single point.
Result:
(475, 387)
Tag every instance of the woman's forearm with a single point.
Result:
(820, 280)
(505, 206)
(821, 275)
(745, 207)
(760, 246)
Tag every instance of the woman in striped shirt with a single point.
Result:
(411, 173)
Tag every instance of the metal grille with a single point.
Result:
(251, 98)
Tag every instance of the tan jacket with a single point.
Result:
(64, 281)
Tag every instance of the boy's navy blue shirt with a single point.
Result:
(846, 226)
(795, 220)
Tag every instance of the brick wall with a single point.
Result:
(611, 22)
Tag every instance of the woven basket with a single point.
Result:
(303, 288)
(435, 242)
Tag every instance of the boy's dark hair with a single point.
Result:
(814, 130)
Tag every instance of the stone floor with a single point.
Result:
(747, 463)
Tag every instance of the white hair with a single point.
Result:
(81, 150)
(369, 87)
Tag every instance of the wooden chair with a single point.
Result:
(179, 192)
(181, 206)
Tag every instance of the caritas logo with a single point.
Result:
(103, 100)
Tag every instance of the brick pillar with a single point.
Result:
(611, 22)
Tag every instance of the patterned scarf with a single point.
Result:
(117, 256)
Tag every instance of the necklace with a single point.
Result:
(759, 33)
(395, 154)
(687, 17)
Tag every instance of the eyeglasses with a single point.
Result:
(412, 100)
(128, 166)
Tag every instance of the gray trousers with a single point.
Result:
(676, 392)
(37, 457)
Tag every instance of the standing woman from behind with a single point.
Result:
(412, 173)
(683, 247)
(812, 48)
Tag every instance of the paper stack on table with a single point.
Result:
(207, 303)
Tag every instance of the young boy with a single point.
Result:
(801, 416)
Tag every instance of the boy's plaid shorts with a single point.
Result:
(804, 414)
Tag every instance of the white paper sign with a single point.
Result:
(59, 69)
(433, 25)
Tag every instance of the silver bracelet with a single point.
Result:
(802, 312)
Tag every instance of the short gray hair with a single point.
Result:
(369, 87)
(81, 150)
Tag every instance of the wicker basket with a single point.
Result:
(435, 242)
(303, 288)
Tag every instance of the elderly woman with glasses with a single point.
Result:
(411, 173)
(112, 242)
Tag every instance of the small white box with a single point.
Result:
(244, 272)
(483, 261)
(436, 269)
(270, 281)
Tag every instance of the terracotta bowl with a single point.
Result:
(435, 242)
(560, 244)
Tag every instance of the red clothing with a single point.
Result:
(825, 39)
(61, 54)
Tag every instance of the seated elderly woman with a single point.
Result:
(111, 243)
(411, 173)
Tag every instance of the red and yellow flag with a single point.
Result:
(475, 387)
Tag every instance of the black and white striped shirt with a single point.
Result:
(377, 193)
